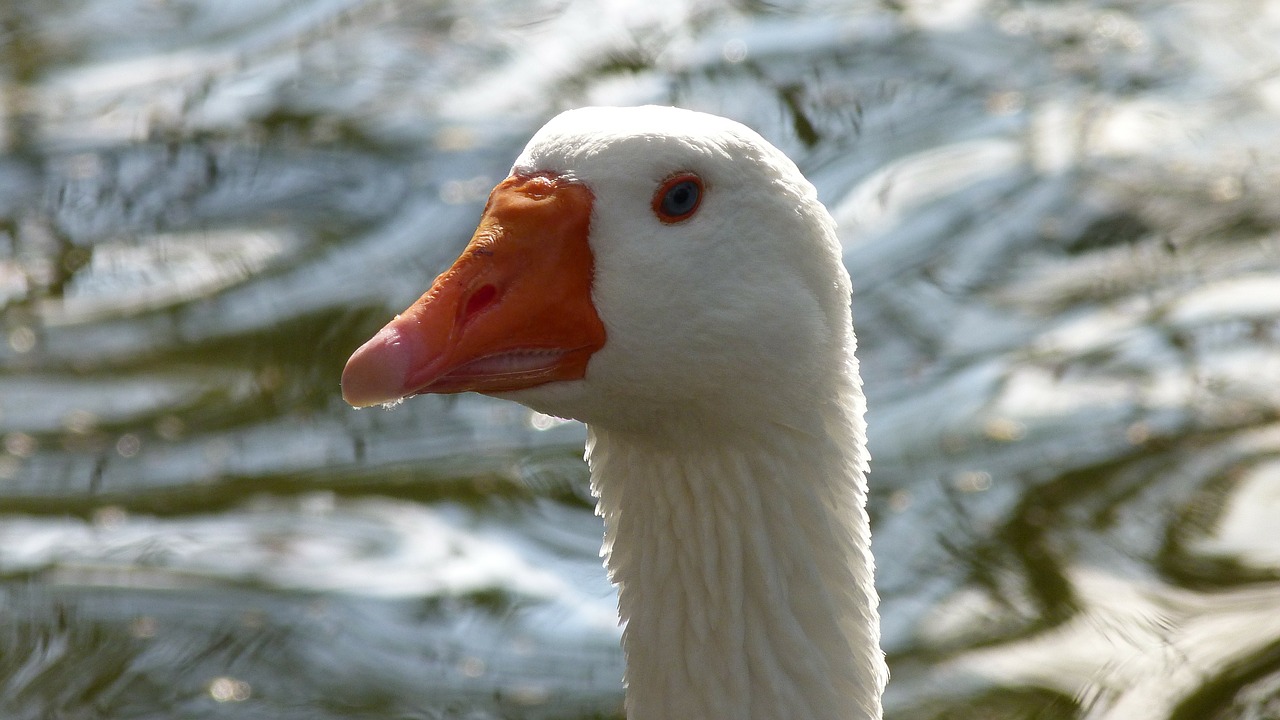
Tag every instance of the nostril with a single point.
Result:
(482, 298)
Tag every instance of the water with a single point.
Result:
(1061, 223)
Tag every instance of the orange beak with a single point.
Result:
(513, 312)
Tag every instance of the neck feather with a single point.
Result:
(743, 565)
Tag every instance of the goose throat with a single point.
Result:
(743, 575)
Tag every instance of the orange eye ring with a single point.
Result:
(678, 198)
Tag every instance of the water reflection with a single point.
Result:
(1061, 224)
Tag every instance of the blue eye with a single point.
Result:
(681, 199)
(678, 198)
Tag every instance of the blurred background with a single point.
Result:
(1062, 219)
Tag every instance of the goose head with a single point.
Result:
(638, 265)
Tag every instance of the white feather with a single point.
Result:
(725, 415)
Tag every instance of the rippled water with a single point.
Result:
(1062, 223)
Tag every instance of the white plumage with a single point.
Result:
(724, 408)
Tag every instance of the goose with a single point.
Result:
(670, 279)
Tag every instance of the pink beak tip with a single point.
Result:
(376, 372)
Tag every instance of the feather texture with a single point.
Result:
(743, 568)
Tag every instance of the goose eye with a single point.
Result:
(678, 198)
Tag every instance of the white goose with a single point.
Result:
(670, 279)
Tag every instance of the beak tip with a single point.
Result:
(376, 372)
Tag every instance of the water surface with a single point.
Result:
(1062, 226)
